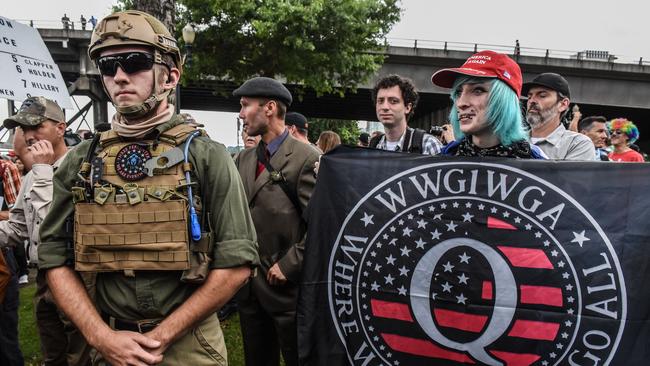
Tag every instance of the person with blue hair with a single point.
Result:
(623, 133)
(486, 116)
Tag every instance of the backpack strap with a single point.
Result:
(417, 140)
(375, 141)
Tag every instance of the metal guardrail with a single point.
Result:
(584, 55)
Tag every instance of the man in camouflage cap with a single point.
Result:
(154, 207)
(43, 127)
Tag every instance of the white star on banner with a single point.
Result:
(410, 216)
(437, 217)
(451, 226)
(506, 214)
(579, 238)
(392, 229)
(467, 217)
(464, 258)
(377, 267)
(405, 251)
(422, 224)
(455, 204)
(565, 275)
(462, 279)
(390, 259)
(420, 212)
(435, 235)
(420, 243)
(385, 236)
(432, 208)
(461, 299)
(528, 226)
(400, 222)
(374, 286)
(481, 207)
(446, 287)
(389, 279)
(538, 235)
(448, 267)
(407, 231)
(367, 219)
(517, 220)
(403, 271)
(433, 295)
(547, 243)
(443, 206)
(402, 290)
(568, 323)
(468, 205)
(493, 210)
(568, 287)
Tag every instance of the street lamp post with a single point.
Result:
(188, 37)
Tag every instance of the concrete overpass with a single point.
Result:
(612, 89)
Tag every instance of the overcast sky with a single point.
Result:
(619, 27)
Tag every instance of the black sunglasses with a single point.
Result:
(130, 62)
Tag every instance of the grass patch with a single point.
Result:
(27, 332)
(30, 343)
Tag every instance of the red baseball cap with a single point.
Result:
(485, 64)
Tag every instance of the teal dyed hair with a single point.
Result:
(503, 111)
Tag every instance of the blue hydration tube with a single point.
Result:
(195, 226)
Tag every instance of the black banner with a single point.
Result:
(417, 260)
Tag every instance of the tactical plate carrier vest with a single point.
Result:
(135, 217)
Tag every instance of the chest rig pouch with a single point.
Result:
(132, 212)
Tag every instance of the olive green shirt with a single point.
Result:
(155, 294)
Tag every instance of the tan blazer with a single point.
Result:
(280, 230)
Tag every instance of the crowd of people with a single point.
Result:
(154, 227)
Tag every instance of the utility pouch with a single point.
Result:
(199, 260)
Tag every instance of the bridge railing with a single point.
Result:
(514, 49)
(587, 55)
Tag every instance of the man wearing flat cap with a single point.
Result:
(43, 128)
(548, 101)
(278, 179)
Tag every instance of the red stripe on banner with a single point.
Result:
(391, 310)
(531, 329)
(526, 258)
(421, 347)
(494, 223)
(458, 320)
(516, 359)
(486, 293)
(541, 295)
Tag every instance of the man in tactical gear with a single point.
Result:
(154, 207)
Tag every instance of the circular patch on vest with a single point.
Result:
(129, 162)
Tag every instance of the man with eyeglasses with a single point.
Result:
(548, 101)
(154, 207)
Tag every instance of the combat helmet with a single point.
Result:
(136, 28)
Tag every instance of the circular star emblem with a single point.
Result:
(129, 162)
(465, 263)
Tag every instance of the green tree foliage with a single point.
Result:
(327, 45)
(347, 130)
